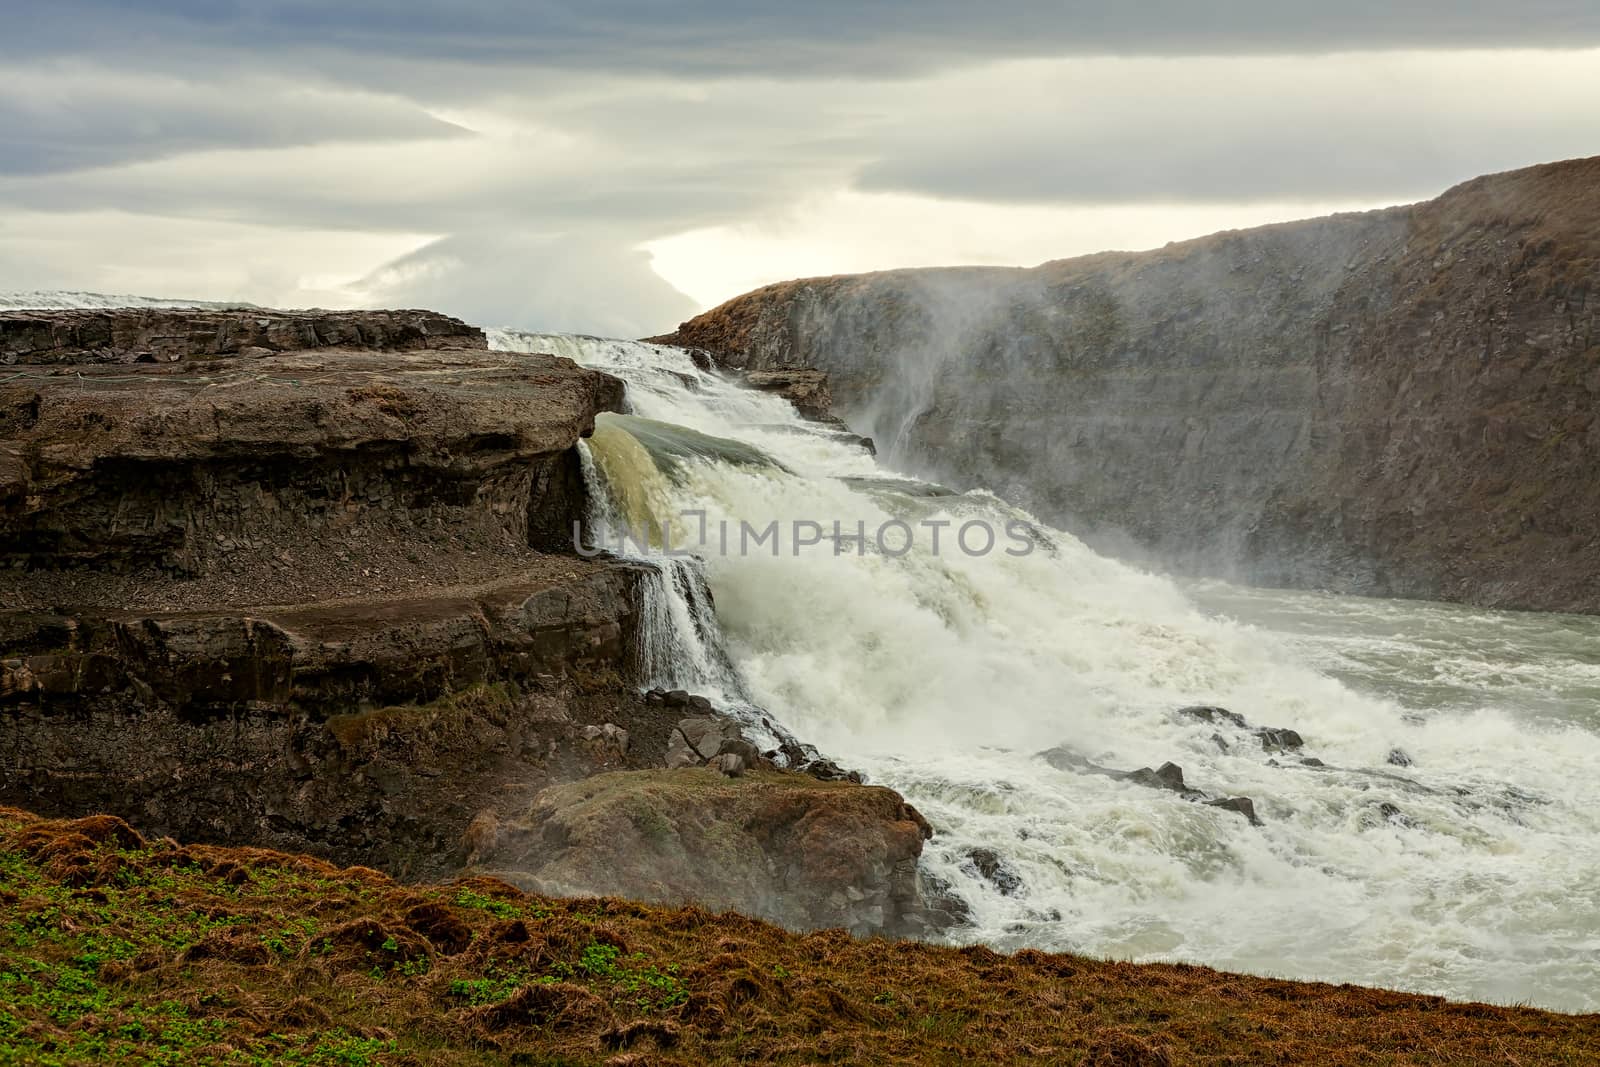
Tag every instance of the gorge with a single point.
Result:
(351, 585)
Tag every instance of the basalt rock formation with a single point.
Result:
(1396, 403)
(306, 580)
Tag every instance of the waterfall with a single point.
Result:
(943, 671)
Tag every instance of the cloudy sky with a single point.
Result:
(612, 166)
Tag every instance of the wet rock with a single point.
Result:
(1167, 776)
(988, 864)
(1243, 805)
(677, 698)
(1274, 739)
(1312, 761)
(825, 770)
(1399, 758)
(1213, 714)
(701, 704)
(1222, 745)
(655, 698)
(807, 390)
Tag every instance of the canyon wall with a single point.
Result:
(306, 580)
(1394, 403)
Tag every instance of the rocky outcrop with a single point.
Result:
(301, 579)
(1395, 403)
(306, 581)
(163, 335)
(780, 846)
(807, 390)
(182, 463)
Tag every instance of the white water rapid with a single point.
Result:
(1473, 872)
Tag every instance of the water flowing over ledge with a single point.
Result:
(1467, 872)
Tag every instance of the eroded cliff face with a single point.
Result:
(306, 580)
(297, 578)
(1394, 403)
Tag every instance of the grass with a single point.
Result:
(118, 950)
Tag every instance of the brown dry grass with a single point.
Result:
(113, 949)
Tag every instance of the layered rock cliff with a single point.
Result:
(306, 580)
(1395, 403)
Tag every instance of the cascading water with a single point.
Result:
(1470, 872)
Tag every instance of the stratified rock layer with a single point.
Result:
(179, 462)
(1396, 403)
(307, 580)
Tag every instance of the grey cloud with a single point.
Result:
(1353, 127)
(821, 37)
(579, 282)
(71, 117)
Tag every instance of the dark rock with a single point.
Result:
(738, 746)
(807, 390)
(1312, 761)
(1399, 758)
(701, 704)
(656, 698)
(1279, 740)
(1222, 745)
(993, 869)
(941, 907)
(1167, 776)
(1212, 714)
(1391, 813)
(1243, 805)
(677, 698)
(825, 770)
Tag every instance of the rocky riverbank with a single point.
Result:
(1396, 403)
(305, 580)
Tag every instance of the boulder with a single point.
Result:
(776, 845)
(1275, 739)
(807, 390)
(729, 765)
(1212, 714)
(988, 864)
(1243, 805)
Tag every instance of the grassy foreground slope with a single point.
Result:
(114, 949)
